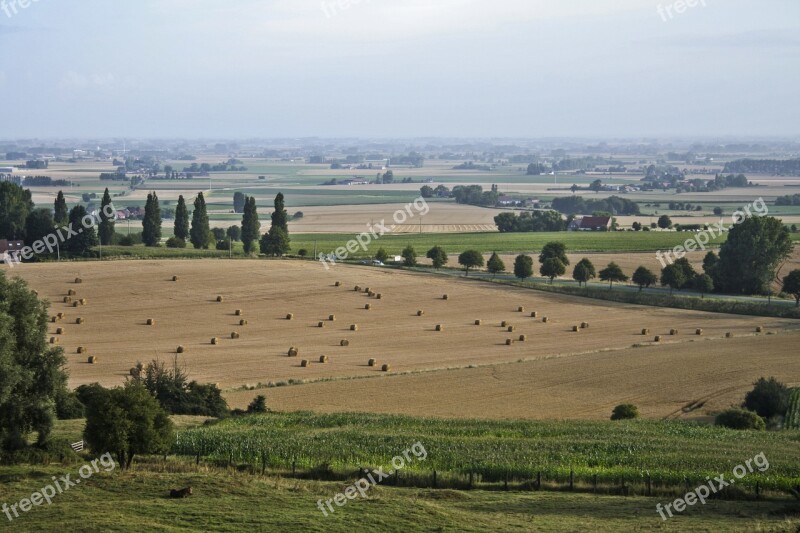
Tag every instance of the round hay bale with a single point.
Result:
(478, 322)
(645, 331)
(305, 363)
(78, 280)
(59, 331)
(323, 359)
(92, 360)
(53, 340)
(337, 284)
(71, 292)
(357, 288)
(214, 340)
(135, 372)
(353, 327)
(368, 290)
(445, 297)
(67, 299)
(180, 349)
(509, 342)
(521, 309)
(367, 307)
(372, 362)
(293, 352)
(728, 335)
(75, 304)
(584, 325)
(420, 312)
(379, 296)
(332, 318)
(344, 342)
(504, 323)
(673, 332)
(386, 368)
(370, 294)
(321, 324)
(238, 312)
(576, 328)
(243, 322)
(83, 301)
(174, 278)
(289, 316)
(523, 338)
(220, 299)
(81, 349)
(234, 335)
(759, 329)
(79, 321)
(439, 327)
(54, 319)
(511, 329)
(698, 331)
(151, 322)
(657, 338)
(60, 316)
(534, 314)
(545, 320)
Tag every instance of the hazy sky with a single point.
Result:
(398, 68)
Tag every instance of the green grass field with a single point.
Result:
(230, 501)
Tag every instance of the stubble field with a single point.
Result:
(565, 374)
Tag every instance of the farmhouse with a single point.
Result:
(591, 224)
(354, 181)
(505, 200)
(10, 247)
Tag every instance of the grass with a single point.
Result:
(502, 242)
(230, 501)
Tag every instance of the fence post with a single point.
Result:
(197, 461)
(434, 479)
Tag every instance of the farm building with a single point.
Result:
(10, 247)
(591, 224)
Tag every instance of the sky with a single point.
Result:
(399, 68)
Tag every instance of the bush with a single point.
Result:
(68, 406)
(175, 242)
(258, 405)
(302, 252)
(224, 244)
(625, 411)
(740, 419)
(126, 241)
(768, 398)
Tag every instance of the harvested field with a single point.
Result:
(123, 292)
(685, 381)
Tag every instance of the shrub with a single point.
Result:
(625, 411)
(258, 405)
(740, 419)
(175, 242)
(768, 398)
